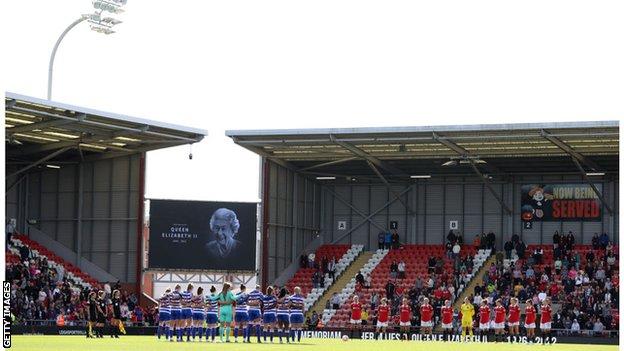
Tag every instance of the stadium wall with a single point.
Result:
(291, 217)
(108, 218)
(438, 200)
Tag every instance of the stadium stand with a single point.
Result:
(328, 263)
(39, 250)
(581, 280)
(448, 273)
(348, 290)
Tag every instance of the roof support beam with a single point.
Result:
(356, 210)
(370, 216)
(39, 125)
(592, 185)
(38, 162)
(105, 125)
(329, 163)
(486, 182)
(570, 151)
(362, 154)
(385, 181)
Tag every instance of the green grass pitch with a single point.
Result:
(137, 343)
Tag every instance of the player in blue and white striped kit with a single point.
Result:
(175, 303)
(283, 315)
(269, 301)
(241, 317)
(187, 313)
(212, 314)
(296, 314)
(197, 303)
(254, 301)
(164, 314)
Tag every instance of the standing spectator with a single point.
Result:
(374, 300)
(324, 264)
(390, 288)
(388, 240)
(456, 250)
(604, 240)
(451, 237)
(477, 242)
(575, 328)
(491, 239)
(521, 249)
(570, 241)
(331, 268)
(314, 320)
(431, 264)
(401, 269)
(10, 229)
(396, 240)
(311, 257)
(508, 247)
(595, 241)
(556, 238)
(335, 301)
(24, 253)
(449, 250)
(381, 239)
(303, 261)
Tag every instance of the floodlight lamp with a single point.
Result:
(450, 163)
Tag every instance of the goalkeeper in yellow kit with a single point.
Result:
(467, 311)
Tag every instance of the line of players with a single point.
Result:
(274, 313)
(99, 309)
(467, 312)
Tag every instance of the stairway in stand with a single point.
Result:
(342, 281)
(478, 279)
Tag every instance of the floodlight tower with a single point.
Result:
(97, 23)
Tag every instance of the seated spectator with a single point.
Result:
(359, 278)
(394, 269)
(431, 264)
(401, 269)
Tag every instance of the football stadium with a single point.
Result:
(463, 237)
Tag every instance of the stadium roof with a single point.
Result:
(37, 128)
(396, 152)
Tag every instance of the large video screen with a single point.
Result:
(202, 235)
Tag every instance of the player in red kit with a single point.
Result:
(447, 319)
(426, 316)
(529, 320)
(513, 321)
(546, 318)
(383, 313)
(405, 312)
(484, 318)
(356, 314)
(499, 320)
